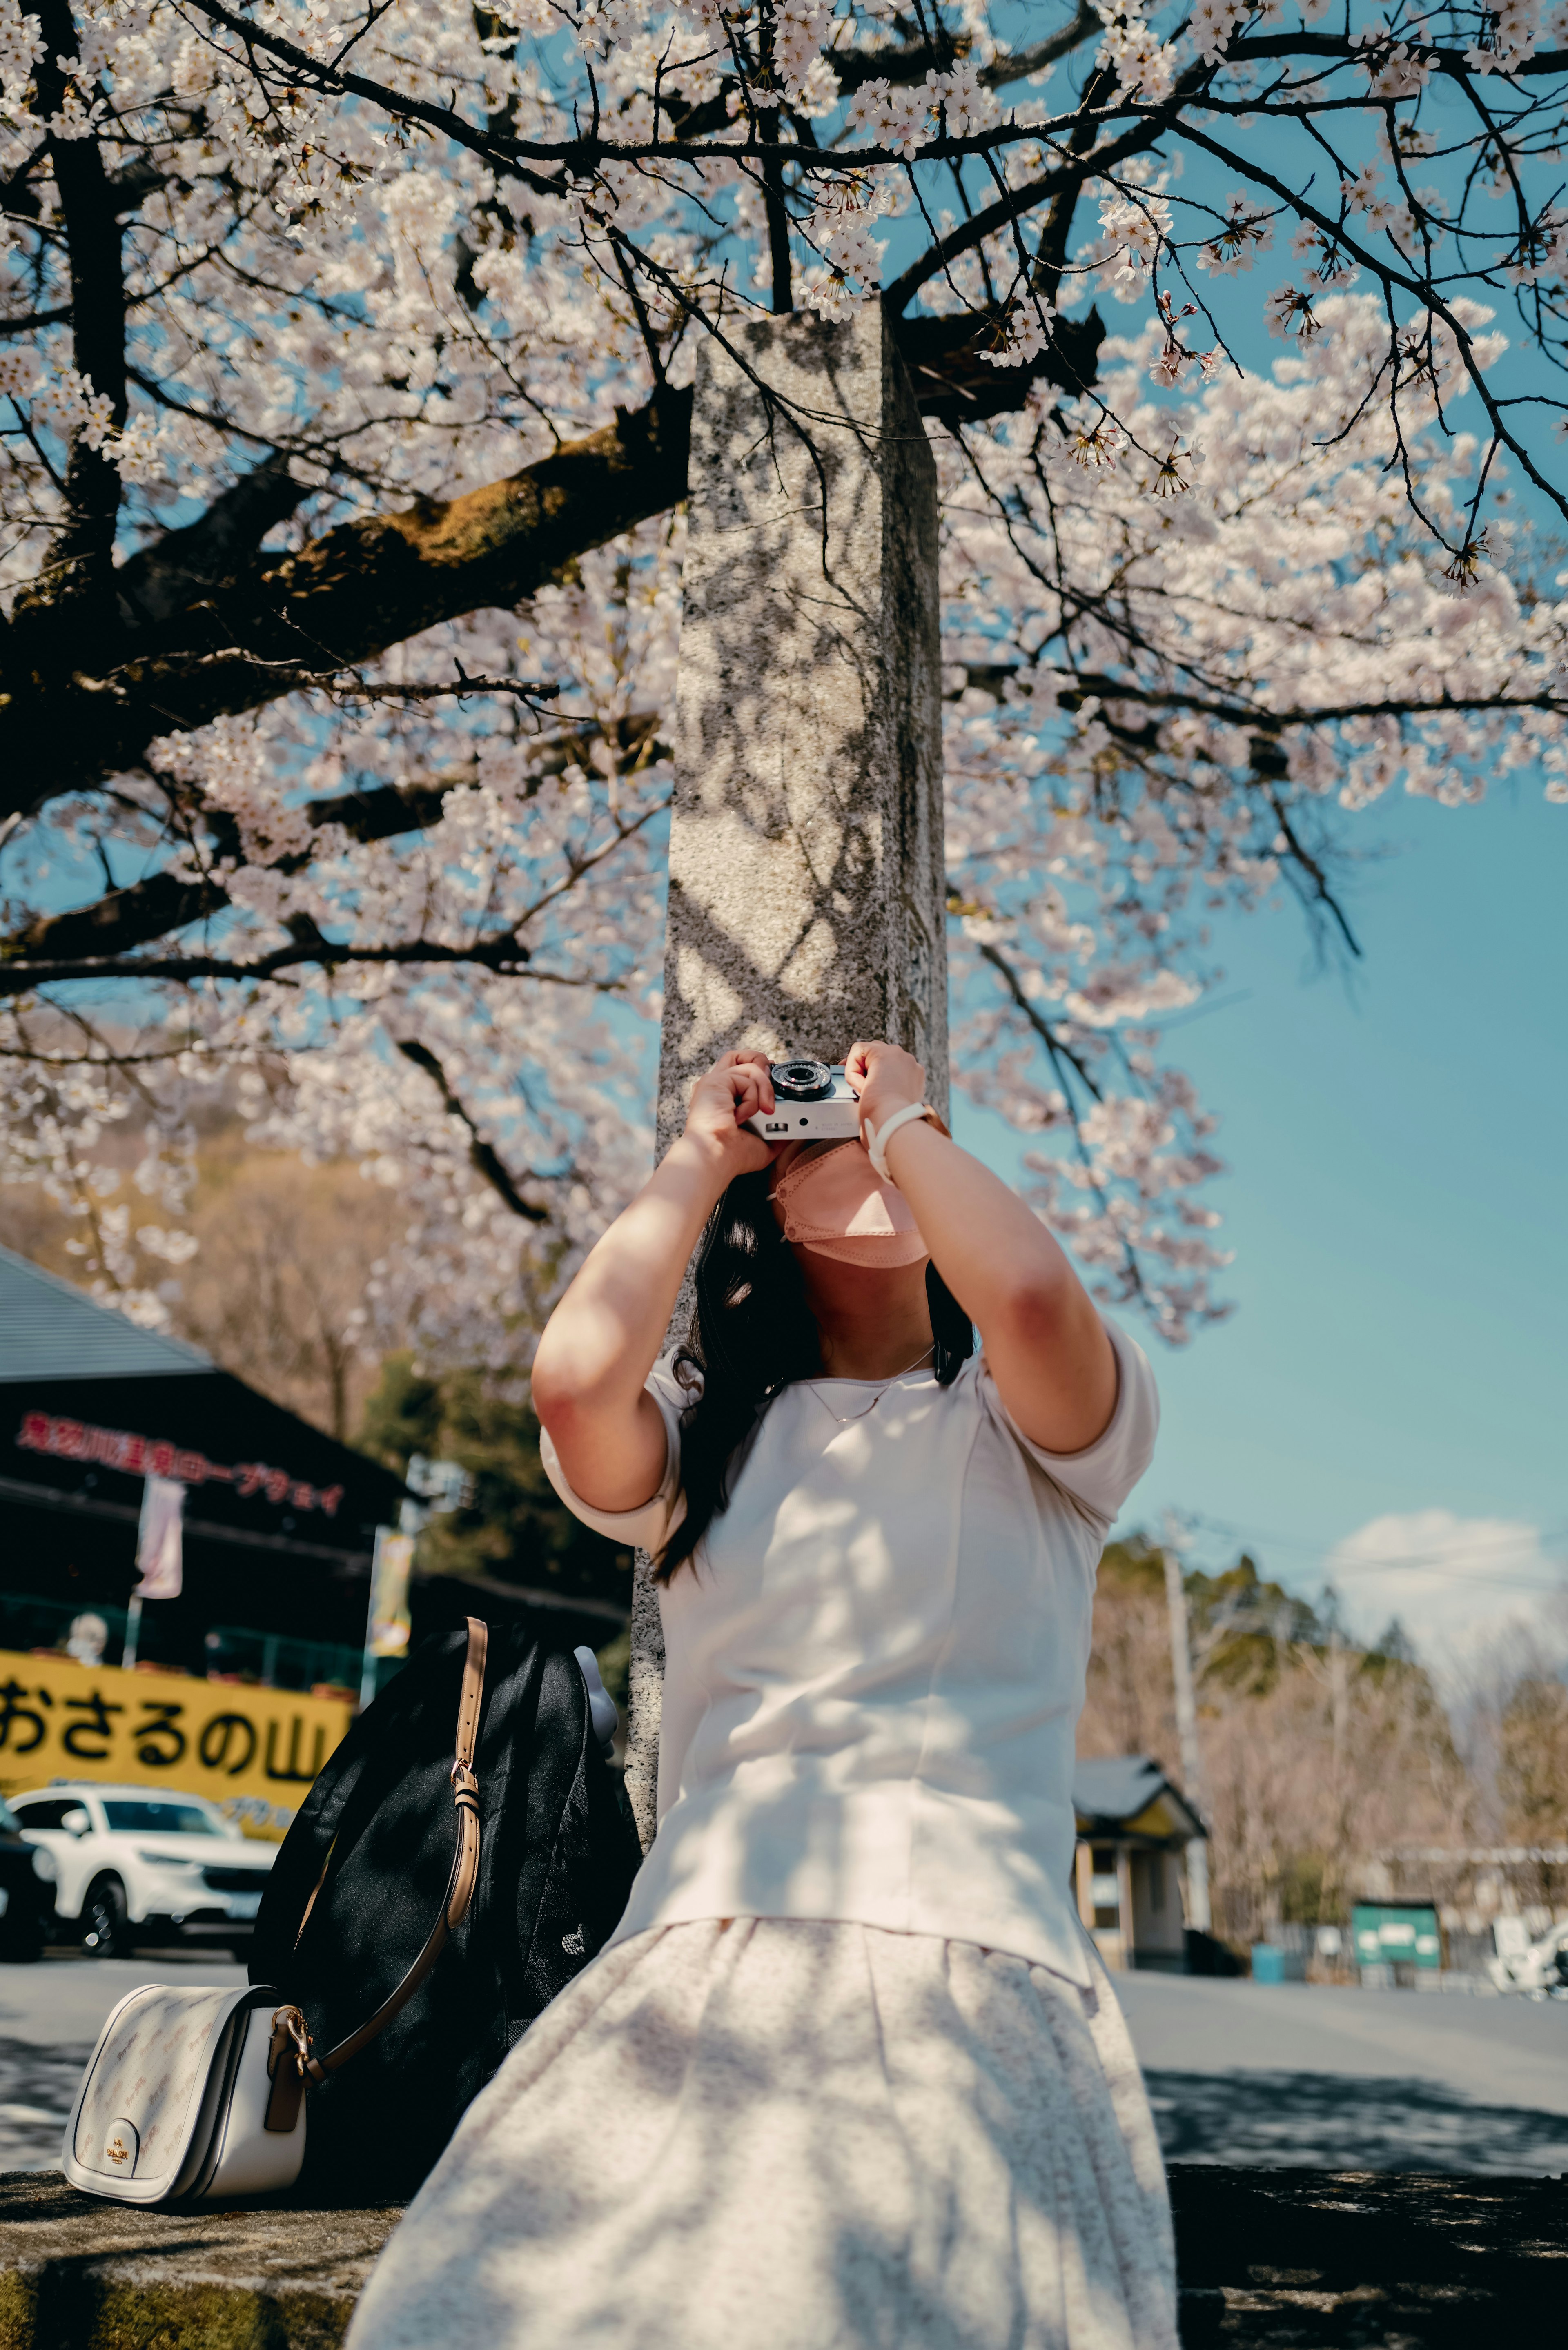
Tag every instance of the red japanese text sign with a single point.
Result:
(159, 1456)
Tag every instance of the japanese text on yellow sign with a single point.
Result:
(65, 1720)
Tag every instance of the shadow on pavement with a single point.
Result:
(37, 2087)
(1340, 2123)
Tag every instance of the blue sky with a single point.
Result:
(1395, 1377)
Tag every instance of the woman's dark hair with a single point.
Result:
(752, 1334)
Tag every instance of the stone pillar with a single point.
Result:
(806, 882)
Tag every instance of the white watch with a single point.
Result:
(877, 1137)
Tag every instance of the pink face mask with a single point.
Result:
(834, 1201)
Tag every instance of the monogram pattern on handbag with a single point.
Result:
(140, 2091)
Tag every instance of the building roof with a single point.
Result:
(1129, 1794)
(50, 1331)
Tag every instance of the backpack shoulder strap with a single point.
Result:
(464, 1867)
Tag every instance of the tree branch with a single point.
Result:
(1061, 1054)
(856, 67)
(72, 714)
(777, 215)
(151, 908)
(147, 909)
(79, 561)
(482, 1155)
(341, 600)
(504, 954)
(167, 576)
(163, 903)
(954, 383)
(584, 155)
(1065, 178)
(1017, 65)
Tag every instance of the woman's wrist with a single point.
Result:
(885, 1133)
(698, 1162)
(887, 1101)
(875, 1115)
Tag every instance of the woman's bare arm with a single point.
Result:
(1047, 1345)
(606, 1335)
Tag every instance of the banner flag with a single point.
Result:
(159, 1550)
(390, 1620)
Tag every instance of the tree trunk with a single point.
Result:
(807, 875)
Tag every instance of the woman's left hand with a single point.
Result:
(885, 1079)
(1044, 1343)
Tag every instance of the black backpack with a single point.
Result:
(442, 1882)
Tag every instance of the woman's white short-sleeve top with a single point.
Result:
(874, 1663)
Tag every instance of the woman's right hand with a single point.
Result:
(605, 1335)
(737, 1086)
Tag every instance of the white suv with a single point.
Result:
(144, 1865)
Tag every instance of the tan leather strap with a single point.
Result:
(469, 1701)
(286, 2058)
(464, 1867)
(314, 1891)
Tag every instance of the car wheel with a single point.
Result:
(106, 1930)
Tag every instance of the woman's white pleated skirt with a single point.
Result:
(779, 2134)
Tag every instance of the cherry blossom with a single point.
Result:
(345, 367)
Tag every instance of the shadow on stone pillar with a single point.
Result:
(806, 881)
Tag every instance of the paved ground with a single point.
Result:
(1237, 2071)
(50, 2016)
(1254, 2073)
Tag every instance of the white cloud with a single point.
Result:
(1454, 1583)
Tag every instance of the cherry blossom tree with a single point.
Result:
(345, 391)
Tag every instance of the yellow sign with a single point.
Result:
(255, 1750)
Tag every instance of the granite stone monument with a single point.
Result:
(806, 887)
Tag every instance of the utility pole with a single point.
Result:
(1337, 1681)
(1197, 1910)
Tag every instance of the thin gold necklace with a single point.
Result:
(844, 1418)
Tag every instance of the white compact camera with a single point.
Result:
(812, 1103)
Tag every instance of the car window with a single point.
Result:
(159, 1819)
(47, 1814)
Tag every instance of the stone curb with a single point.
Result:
(79, 2274)
(1312, 2260)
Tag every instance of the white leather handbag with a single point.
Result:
(193, 2095)
(190, 2095)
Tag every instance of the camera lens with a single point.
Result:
(802, 1080)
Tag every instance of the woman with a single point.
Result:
(849, 2072)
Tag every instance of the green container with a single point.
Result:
(1383, 1934)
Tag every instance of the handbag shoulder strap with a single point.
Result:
(290, 2038)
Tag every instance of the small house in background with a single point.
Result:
(1134, 1827)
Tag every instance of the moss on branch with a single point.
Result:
(278, 623)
